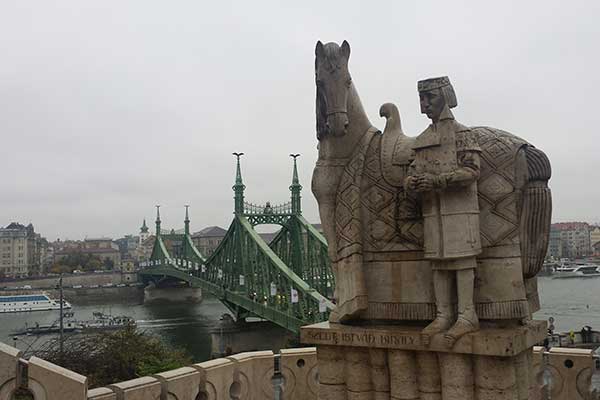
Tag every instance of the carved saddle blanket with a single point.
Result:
(376, 220)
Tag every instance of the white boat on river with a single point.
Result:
(581, 271)
(29, 302)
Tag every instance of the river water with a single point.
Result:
(180, 325)
(572, 302)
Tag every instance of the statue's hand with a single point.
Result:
(425, 183)
(411, 183)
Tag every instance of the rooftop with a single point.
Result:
(568, 226)
(100, 239)
(211, 231)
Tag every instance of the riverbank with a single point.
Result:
(70, 280)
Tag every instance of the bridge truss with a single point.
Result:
(287, 281)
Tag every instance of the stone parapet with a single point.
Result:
(253, 373)
(144, 388)
(181, 383)
(9, 370)
(565, 373)
(559, 374)
(51, 382)
(300, 373)
(101, 394)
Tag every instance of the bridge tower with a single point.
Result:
(157, 220)
(238, 187)
(296, 188)
(186, 221)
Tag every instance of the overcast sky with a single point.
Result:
(110, 107)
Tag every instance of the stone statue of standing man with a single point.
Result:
(444, 174)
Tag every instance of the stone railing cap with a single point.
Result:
(176, 372)
(144, 380)
(572, 351)
(303, 350)
(99, 392)
(9, 350)
(216, 363)
(43, 364)
(251, 354)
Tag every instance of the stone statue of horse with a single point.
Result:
(374, 228)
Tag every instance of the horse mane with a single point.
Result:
(331, 61)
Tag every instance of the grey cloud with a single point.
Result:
(111, 107)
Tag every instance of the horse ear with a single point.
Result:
(346, 49)
(319, 50)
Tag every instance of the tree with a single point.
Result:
(117, 356)
(108, 263)
(93, 264)
(58, 268)
(79, 260)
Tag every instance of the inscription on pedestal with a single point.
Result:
(491, 342)
(377, 339)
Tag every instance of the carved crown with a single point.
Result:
(433, 83)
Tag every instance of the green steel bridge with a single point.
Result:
(287, 281)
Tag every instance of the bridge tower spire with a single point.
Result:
(295, 188)
(238, 187)
(186, 221)
(157, 220)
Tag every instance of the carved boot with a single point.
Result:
(444, 314)
(441, 323)
(467, 320)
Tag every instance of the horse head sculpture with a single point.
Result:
(333, 85)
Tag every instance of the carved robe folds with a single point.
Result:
(449, 151)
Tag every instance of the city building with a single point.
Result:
(569, 240)
(144, 232)
(145, 244)
(22, 251)
(208, 239)
(144, 250)
(128, 246)
(595, 239)
(103, 248)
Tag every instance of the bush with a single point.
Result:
(107, 358)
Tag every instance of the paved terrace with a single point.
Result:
(562, 374)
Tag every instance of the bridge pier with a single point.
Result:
(172, 294)
(232, 337)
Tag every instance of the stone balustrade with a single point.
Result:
(566, 374)
(561, 374)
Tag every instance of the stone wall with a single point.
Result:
(88, 279)
(562, 374)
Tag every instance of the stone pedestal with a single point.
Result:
(385, 362)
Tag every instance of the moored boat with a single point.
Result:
(581, 271)
(103, 321)
(38, 329)
(30, 302)
(100, 322)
